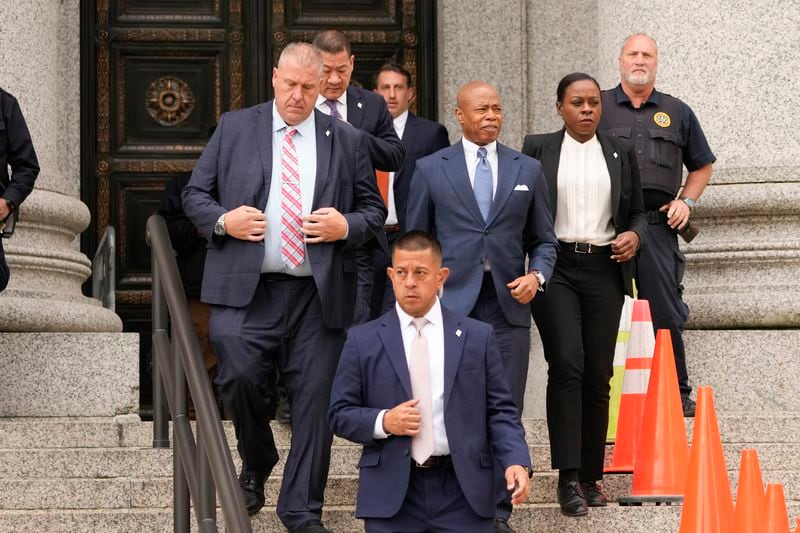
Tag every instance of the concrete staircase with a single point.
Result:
(100, 474)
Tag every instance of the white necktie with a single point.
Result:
(419, 368)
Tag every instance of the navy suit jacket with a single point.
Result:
(481, 419)
(520, 225)
(627, 206)
(236, 169)
(367, 111)
(421, 137)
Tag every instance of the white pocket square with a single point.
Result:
(522, 187)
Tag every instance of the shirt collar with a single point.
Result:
(471, 149)
(575, 145)
(342, 99)
(400, 121)
(305, 128)
(434, 315)
(622, 98)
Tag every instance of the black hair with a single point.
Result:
(418, 241)
(568, 80)
(393, 67)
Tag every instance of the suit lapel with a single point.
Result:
(551, 154)
(263, 126)
(392, 339)
(614, 172)
(508, 166)
(455, 170)
(454, 339)
(355, 109)
(324, 132)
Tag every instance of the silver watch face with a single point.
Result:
(219, 228)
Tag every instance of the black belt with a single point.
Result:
(436, 461)
(584, 248)
(657, 217)
(279, 276)
(391, 228)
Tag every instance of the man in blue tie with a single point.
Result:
(488, 206)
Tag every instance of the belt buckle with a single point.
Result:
(583, 248)
(424, 465)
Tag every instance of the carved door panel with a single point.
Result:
(157, 74)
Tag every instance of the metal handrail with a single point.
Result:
(201, 467)
(104, 267)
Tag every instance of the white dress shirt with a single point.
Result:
(471, 155)
(341, 105)
(399, 127)
(305, 141)
(434, 335)
(583, 211)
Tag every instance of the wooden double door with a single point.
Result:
(157, 74)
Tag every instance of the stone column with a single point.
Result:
(40, 65)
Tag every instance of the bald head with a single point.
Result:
(479, 112)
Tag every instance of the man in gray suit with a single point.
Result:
(488, 206)
(284, 194)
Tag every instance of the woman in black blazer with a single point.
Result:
(600, 221)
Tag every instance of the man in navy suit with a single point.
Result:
(488, 206)
(424, 390)
(420, 137)
(284, 194)
(366, 111)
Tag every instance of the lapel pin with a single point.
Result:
(360, 105)
(615, 155)
(458, 333)
(328, 132)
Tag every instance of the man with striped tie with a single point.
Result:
(284, 194)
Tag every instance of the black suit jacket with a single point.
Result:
(236, 169)
(421, 137)
(16, 150)
(367, 111)
(627, 206)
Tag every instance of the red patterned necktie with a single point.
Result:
(292, 251)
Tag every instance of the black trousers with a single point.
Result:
(578, 319)
(281, 327)
(661, 265)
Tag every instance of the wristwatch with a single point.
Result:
(539, 278)
(688, 201)
(219, 227)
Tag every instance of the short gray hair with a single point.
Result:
(637, 34)
(304, 54)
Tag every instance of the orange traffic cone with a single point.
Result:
(797, 529)
(662, 460)
(775, 518)
(708, 504)
(749, 495)
(638, 361)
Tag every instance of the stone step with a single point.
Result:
(132, 462)
(528, 518)
(130, 431)
(135, 493)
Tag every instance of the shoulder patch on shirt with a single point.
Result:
(662, 119)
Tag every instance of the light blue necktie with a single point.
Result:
(483, 184)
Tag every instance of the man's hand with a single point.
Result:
(624, 247)
(677, 214)
(246, 223)
(5, 208)
(326, 224)
(402, 419)
(523, 289)
(518, 481)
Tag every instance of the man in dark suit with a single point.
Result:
(424, 390)
(420, 137)
(16, 151)
(366, 111)
(488, 206)
(285, 195)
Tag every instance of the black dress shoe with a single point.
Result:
(571, 500)
(252, 487)
(688, 406)
(593, 492)
(501, 526)
(312, 526)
